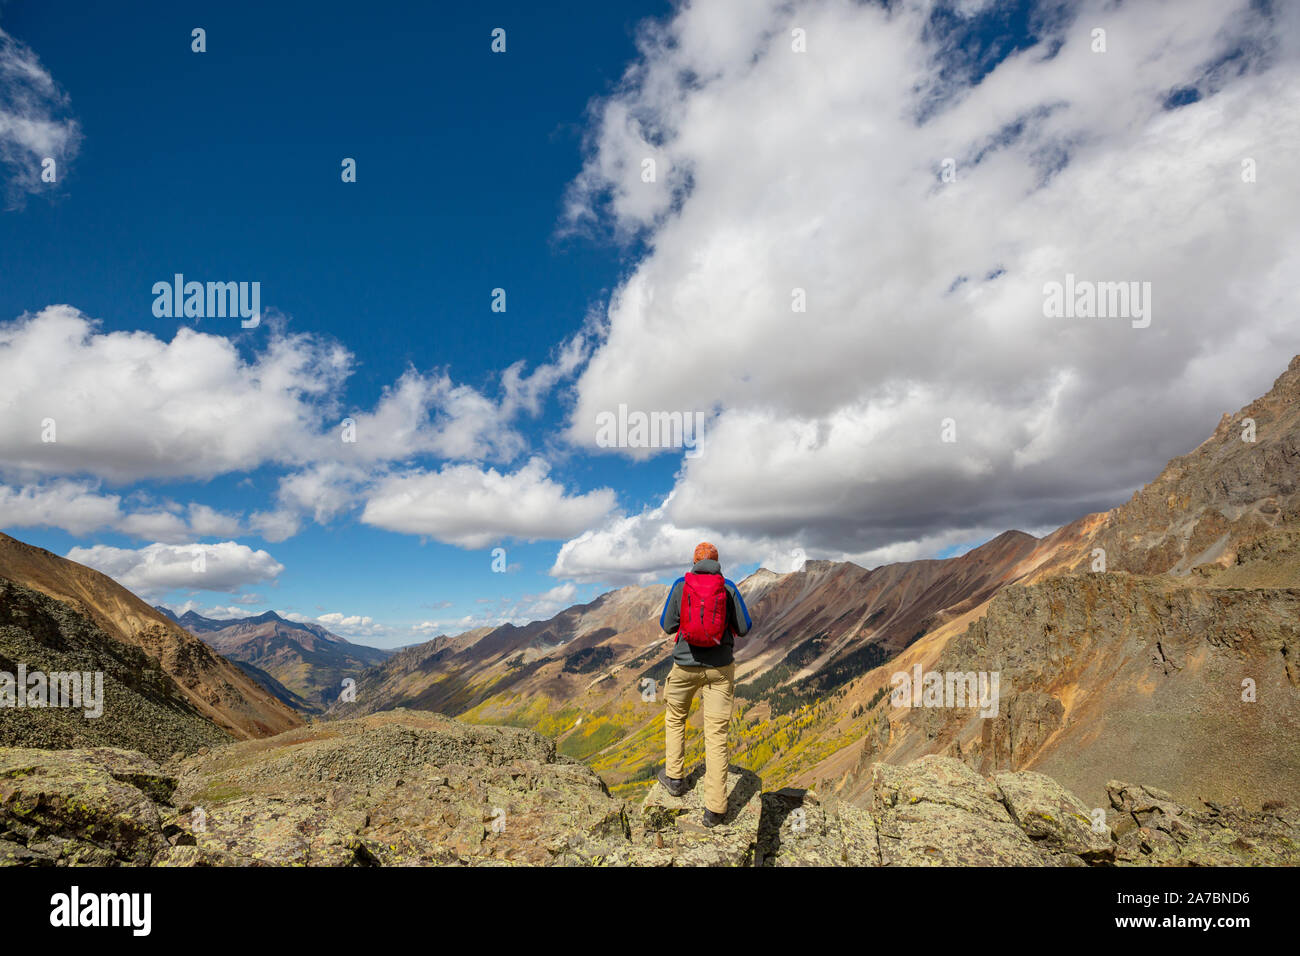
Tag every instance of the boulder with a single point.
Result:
(936, 811)
(98, 806)
(1053, 817)
(804, 828)
(670, 831)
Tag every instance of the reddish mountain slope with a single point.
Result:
(1178, 661)
(218, 689)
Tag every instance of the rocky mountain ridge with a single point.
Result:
(410, 788)
(142, 708)
(1162, 643)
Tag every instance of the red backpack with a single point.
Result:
(704, 610)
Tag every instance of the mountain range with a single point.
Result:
(1157, 641)
(303, 663)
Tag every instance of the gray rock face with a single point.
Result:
(936, 811)
(804, 828)
(97, 807)
(412, 788)
(1152, 829)
(1053, 817)
(1031, 718)
(670, 831)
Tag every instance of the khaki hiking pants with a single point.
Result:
(718, 686)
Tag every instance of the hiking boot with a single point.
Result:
(712, 819)
(675, 786)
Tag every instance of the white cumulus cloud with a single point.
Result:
(473, 507)
(156, 569)
(819, 175)
(81, 508)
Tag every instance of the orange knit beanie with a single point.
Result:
(703, 551)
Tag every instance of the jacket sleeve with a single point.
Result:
(737, 612)
(671, 617)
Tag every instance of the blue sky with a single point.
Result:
(778, 168)
(227, 165)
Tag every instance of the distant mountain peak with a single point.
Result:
(301, 661)
(193, 621)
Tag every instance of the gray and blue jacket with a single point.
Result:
(738, 622)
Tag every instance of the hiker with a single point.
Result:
(707, 613)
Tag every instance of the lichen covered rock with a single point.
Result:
(407, 788)
(98, 806)
(1053, 817)
(670, 831)
(804, 828)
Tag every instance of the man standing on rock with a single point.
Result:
(707, 613)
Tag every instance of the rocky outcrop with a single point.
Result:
(939, 812)
(670, 831)
(1011, 738)
(1152, 828)
(1055, 819)
(408, 788)
(95, 807)
(805, 828)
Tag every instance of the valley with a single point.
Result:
(1155, 642)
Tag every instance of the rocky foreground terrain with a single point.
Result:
(413, 788)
